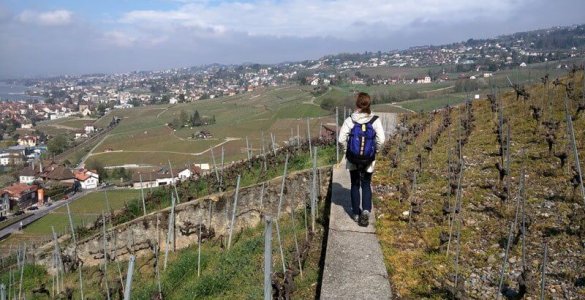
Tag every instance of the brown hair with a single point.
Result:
(363, 102)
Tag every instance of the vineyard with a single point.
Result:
(485, 199)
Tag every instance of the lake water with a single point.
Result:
(14, 92)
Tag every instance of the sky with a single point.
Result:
(58, 37)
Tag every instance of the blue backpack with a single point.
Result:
(361, 144)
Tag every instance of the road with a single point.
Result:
(41, 212)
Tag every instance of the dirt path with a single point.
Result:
(439, 89)
(312, 102)
(89, 153)
(162, 112)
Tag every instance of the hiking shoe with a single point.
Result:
(364, 219)
(355, 218)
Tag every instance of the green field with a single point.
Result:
(84, 211)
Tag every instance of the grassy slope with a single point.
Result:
(419, 267)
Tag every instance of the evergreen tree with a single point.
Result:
(196, 119)
(183, 118)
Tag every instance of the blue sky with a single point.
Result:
(42, 38)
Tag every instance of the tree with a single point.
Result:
(329, 104)
(196, 120)
(97, 166)
(57, 144)
(101, 109)
(135, 102)
(121, 173)
(6, 180)
(183, 118)
(176, 123)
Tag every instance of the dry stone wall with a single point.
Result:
(140, 236)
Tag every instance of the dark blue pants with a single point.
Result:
(363, 180)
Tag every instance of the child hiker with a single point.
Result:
(361, 137)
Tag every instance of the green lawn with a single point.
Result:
(96, 202)
(84, 211)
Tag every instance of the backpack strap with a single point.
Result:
(374, 118)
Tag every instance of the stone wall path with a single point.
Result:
(354, 264)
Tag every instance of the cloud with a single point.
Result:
(119, 38)
(263, 31)
(47, 18)
(309, 18)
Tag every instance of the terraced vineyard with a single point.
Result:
(470, 196)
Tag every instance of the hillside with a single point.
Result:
(255, 115)
(448, 219)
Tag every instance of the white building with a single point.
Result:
(426, 79)
(27, 176)
(9, 158)
(185, 174)
(152, 179)
(27, 140)
(89, 128)
(87, 179)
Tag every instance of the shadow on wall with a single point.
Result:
(341, 198)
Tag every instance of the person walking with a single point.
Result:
(361, 136)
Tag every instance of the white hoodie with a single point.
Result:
(361, 118)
